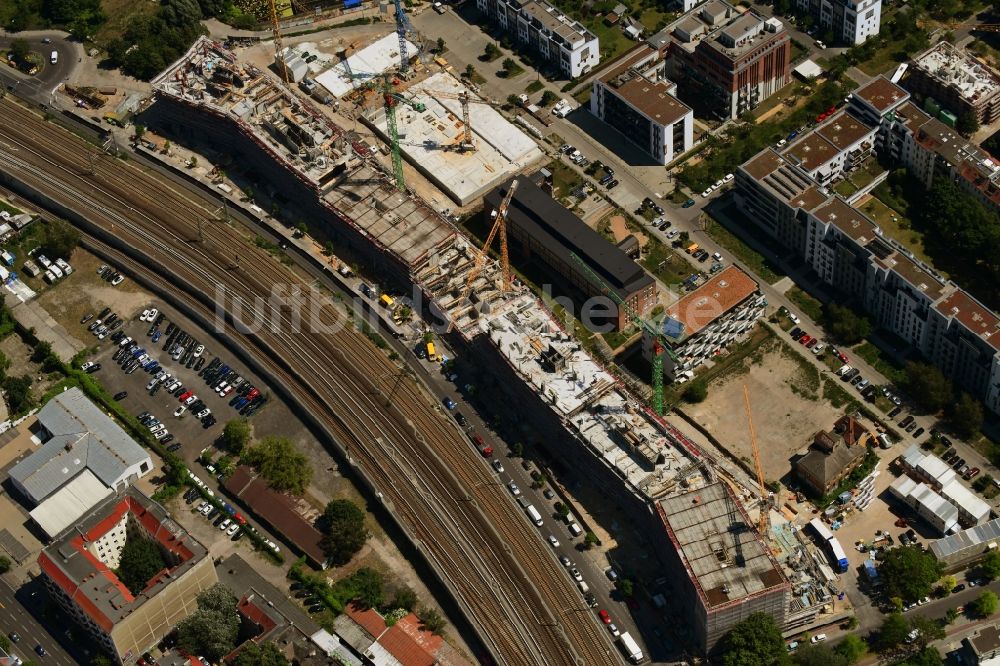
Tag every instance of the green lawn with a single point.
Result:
(533, 87)
(6, 207)
(873, 355)
(664, 263)
(808, 305)
(564, 179)
(612, 40)
(736, 247)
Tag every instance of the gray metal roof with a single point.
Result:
(974, 536)
(82, 437)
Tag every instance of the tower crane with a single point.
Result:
(499, 226)
(467, 144)
(660, 344)
(765, 505)
(276, 30)
(403, 28)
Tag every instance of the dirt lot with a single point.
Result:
(787, 405)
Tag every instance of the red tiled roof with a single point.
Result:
(406, 650)
(55, 572)
(713, 299)
(256, 614)
(369, 619)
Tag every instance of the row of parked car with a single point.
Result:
(107, 323)
(109, 274)
(958, 464)
(224, 380)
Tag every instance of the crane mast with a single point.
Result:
(765, 505)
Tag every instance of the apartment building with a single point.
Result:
(560, 40)
(788, 197)
(724, 59)
(852, 21)
(636, 99)
(957, 81)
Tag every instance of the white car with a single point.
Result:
(514, 490)
(498, 466)
(191, 399)
(161, 434)
(153, 429)
(554, 541)
(566, 562)
(144, 315)
(818, 638)
(86, 366)
(198, 350)
(818, 349)
(820, 45)
(719, 183)
(577, 576)
(224, 525)
(729, 178)
(180, 410)
(153, 314)
(232, 529)
(206, 508)
(717, 256)
(613, 629)
(117, 281)
(203, 413)
(706, 193)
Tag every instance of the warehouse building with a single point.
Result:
(78, 569)
(636, 99)
(958, 550)
(77, 439)
(938, 475)
(936, 510)
(542, 228)
(731, 573)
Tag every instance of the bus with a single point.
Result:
(431, 352)
(386, 300)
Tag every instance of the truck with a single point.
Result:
(532, 512)
(630, 647)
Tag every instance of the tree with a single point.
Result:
(4, 564)
(367, 587)
(470, 71)
(140, 561)
(277, 459)
(517, 450)
(491, 52)
(626, 586)
(927, 629)
(18, 394)
(509, 66)
(844, 325)
(989, 566)
(253, 654)
(928, 386)
(852, 648)
(405, 598)
(966, 415)
(967, 124)
(193, 162)
(59, 239)
(213, 628)
(926, 656)
(440, 45)
(696, 391)
(909, 572)
(948, 584)
(512, 100)
(756, 640)
(548, 98)
(301, 229)
(344, 532)
(431, 620)
(590, 540)
(236, 435)
(892, 633)
(19, 50)
(4, 643)
(987, 603)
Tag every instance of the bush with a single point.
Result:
(696, 391)
(278, 461)
(236, 435)
(140, 560)
(344, 532)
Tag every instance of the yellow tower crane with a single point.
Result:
(276, 29)
(765, 505)
(467, 144)
(499, 226)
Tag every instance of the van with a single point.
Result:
(844, 369)
(583, 587)
(575, 530)
(884, 441)
(692, 248)
(54, 58)
(532, 512)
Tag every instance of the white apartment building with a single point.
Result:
(852, 21)
(637, 100)
(547, 31)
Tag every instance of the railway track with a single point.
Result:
(432, 480)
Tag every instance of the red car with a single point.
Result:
(484, 448)
(804, 339)
(184, 396)
(843, 357)
(253, 394)
(812, 343)
(971, 474)
(605, 618)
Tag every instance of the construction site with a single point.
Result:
(563, 395)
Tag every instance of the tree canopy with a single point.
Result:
(253, 654)
(844, 325)
(892, 632)
(986, 603)
(966, 415)
(140, 560)
(236, 435)
(990, 565)
(818, 654)
(754, 641)
(851, 648)
(277, 459)
(928, 386)
(59, 238)
(344, 532)
(909, 572)
(213, 628)
(149, 43)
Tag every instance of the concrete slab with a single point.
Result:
(32, 315)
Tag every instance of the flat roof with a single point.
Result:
(972, 314)
(812, 151)
(713, 299)
(844, 130)
(763, 164)
(917, 276)
(956, 493)
(653, 99)
(847, 219)
(65, 506)
(954, 68)
(376, 58)
(881, 93)
(562, 232)
(719, 546)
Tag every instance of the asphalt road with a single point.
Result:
(32, 598)
(41, 87)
